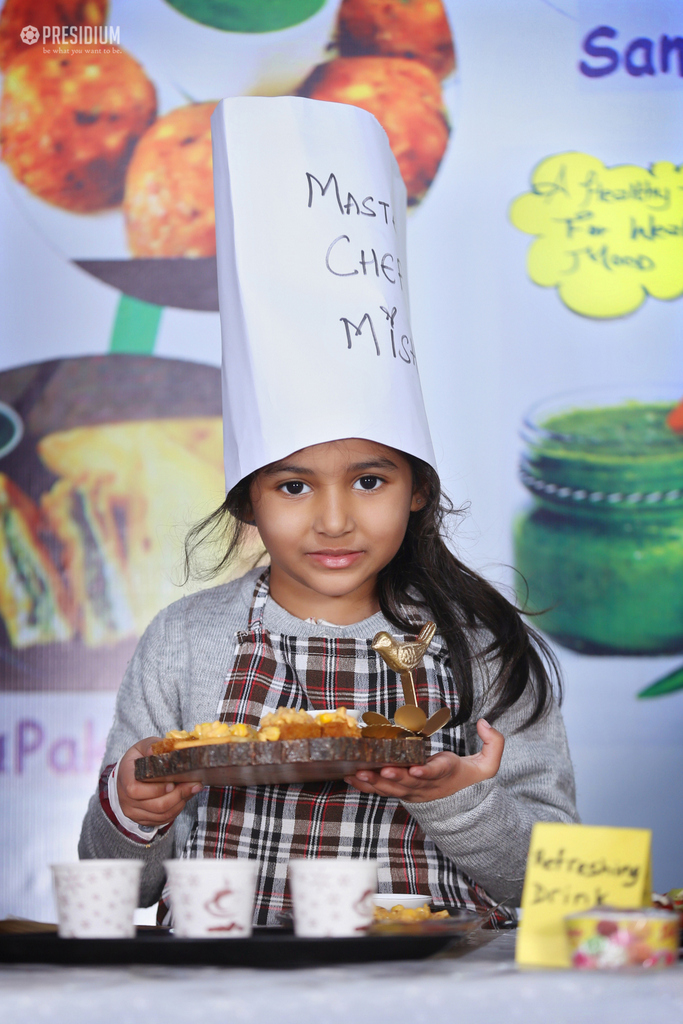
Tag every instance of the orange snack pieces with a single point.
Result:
(69, 122)
(16, 14)
(292, 724)
(338, 723)
(416, 29)
(300, 725)
(168, 203)
(283, 724)
(405, 97)
(675, 418)
(408, 915)
(204, 734)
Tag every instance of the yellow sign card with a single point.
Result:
(572, 868)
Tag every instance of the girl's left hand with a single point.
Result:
(442, 775)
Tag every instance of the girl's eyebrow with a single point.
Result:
(285, 467)
(378, 463)
(358, 467)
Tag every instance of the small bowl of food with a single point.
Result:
(409, 901)
(401, 912)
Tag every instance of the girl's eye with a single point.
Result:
(295, 487)
(368, 483)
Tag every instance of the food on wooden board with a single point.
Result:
(283, 724)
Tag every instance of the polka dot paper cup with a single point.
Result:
(609, 938)
(332, 896)
(212, 899)
(97, 899)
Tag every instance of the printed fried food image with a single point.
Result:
(34, 603)
(405, 97)
(417, 29)
(120, 513)
(168, 203)
(17, 14)
(69, 122)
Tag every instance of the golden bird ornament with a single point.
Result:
(404, 655)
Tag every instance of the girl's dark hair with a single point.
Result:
(424, 573)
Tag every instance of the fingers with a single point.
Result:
(153, 808)
(163, 792)
(150, 803)
(373, 782)
(140, 792)
(389, 782)
(356, 783)
(162, 810)
(491, 753)
(436, 767)
(143, 748)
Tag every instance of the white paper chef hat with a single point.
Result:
(312, 282)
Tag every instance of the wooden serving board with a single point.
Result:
(285, 761)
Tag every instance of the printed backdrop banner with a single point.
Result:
(540, 146)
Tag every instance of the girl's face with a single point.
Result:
(331, 516)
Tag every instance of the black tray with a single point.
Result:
(268, 947)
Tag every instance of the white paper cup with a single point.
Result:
(97, 899)
(332, 896)
(212, 899)
(387, 900)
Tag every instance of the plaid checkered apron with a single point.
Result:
(270, 824)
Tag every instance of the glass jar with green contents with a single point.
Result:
(601, 547)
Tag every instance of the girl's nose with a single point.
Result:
(332, 516)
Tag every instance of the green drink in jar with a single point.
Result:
(601, 544)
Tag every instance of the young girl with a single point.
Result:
(353, 525)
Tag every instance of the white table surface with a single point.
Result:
(478, 985)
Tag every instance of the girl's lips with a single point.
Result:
(335, 559)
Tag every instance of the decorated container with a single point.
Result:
(612, 938)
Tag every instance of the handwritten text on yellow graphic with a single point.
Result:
(571, 868)
(606, 236)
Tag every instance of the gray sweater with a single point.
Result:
(176, 678)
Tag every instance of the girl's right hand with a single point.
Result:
(150, 803)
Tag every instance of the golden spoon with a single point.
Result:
(384, 732)
(437, 721)
(410, 717)
(374, 718)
